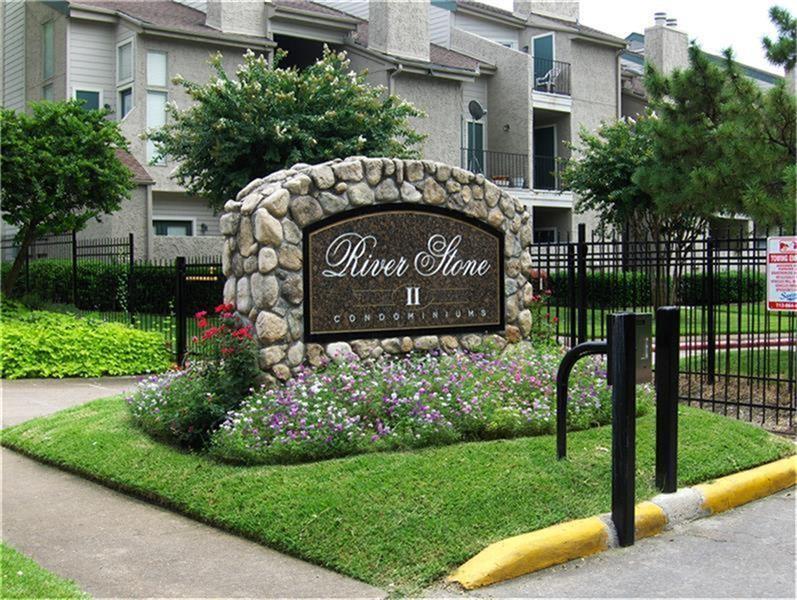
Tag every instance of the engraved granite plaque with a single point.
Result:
(402, 269)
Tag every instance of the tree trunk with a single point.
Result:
(19, 261)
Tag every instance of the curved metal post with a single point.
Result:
(562, 377)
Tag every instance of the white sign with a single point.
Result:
(782, 273)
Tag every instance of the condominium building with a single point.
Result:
(505, 92)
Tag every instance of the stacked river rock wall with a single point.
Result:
(263, 258)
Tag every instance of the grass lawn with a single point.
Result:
(758, 362)
(729, 319)
(21, 577)
(396, 520)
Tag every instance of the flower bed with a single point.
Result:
(421, 400)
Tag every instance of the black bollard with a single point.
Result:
(667, 368)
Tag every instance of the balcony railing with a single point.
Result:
(552, 76)
(507, 169)
(504, 169)
(547, 173)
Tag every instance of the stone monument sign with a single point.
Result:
(376, 255)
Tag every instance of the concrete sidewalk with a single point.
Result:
(115, 546)
(748, 552)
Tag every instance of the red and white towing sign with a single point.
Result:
(782, 273)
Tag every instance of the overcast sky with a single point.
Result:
(715, 24)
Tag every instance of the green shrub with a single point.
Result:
(104, 286)
(633, 288)
(46, 344)
(187, 406)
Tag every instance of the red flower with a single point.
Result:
(202, 323)
(201, 314)
(224, 308)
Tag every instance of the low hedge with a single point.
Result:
(104, 286)
(633, 288)
(47, 344)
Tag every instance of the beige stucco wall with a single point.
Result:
(168, 247)
(509, 92)
(36, 15)
(130, 218)
(441, 100)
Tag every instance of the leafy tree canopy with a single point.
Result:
(270, 117)
(60, 169)
(782, 51)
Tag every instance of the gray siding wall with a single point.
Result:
(197, 4)
(36, 14)
(357, 8)
(92, 59)
(486, 29)
(14, 54)
(440, 22)
(182, 206)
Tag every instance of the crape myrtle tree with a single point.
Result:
(269, 117)
(59, 169)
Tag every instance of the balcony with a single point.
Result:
(506, 169)
(551, 76)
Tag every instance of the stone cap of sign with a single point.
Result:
(263, 260)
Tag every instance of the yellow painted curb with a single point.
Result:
(533, 551)
(734, 490)
(649, 519)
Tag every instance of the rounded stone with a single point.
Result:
(315, 355)
(270, 327)
(409, 193)
(360, 194)
(245, 237)
(277, 203)
(386, 191)
(339, 351)
(290, 257)
(228, 223)
(365, 348)
(266, 260)
(512, 334)
(433, 193)
(250, 265)
(391, 345)
(291, 232)
(270, 356)
(265, 290)
(331, 203)
(452, 186)
(229, 290)
(492, 194)
(507, 205)
(413, 170)
(426, 343)
(268, 230)
(293, 289)
(528, 294)
(306, 210)
(461, 175)
(496, 218)
(351, 170)
(323, 176)
(243, 296)
(449, 342)
(471, 341)
(524, 322)
(511, 308)
(406, 344)
(281, 372)
(373, 170)
(250, 202)
(299, 185)
(296, 354)
(443, 173)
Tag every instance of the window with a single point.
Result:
(48, 50)
(124, 62)
(156, 117)
(156, 69)
(47, 92)
(125, 102)
(173, 227)
(546, 235)
(92, 100)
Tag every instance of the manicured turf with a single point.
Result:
(21, 577)
(396, 520)
(756, 362)
(749, 318)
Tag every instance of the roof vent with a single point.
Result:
(660, 19)
(672, 22)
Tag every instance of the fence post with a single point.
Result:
(74, 267)
(712, 334)
(130, 277)
(582, 283)
(623, 352)
(571, 292)
(179, 308)
(667, 366)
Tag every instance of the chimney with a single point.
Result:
(247, 17)
(565, 10)
(399, 28)
(666, 48)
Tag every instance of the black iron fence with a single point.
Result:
(102, 278)
(551, 76)
(736, 357)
